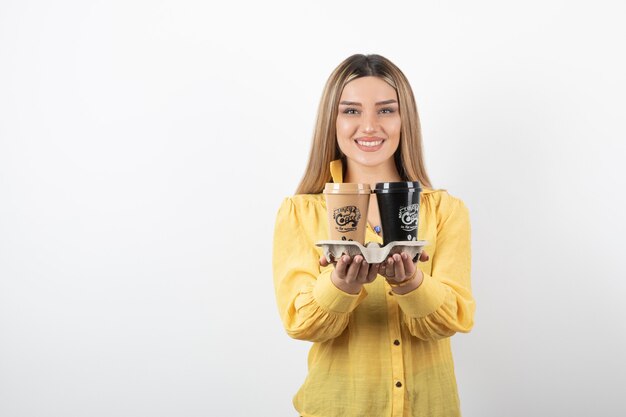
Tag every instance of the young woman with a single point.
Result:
(380, 332)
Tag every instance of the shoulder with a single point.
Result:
(443, 203)
(441, 197)
(302, 215)
(305, 200)
(302, 205)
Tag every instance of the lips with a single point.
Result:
(369, 144)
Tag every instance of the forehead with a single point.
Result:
(366, 89)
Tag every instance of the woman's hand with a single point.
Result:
(350, 274)
(399, 267)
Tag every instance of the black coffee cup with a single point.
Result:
(398, 204)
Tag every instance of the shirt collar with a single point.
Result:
(336, 172)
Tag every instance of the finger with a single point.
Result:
(424, 256)
(323, 261)
(398, 267)
(363, 271)
(372, 272)
(409, 266)
(389, 270)
(353, 269)
(342, 266)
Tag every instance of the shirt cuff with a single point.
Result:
(331, 298)
(423, 300)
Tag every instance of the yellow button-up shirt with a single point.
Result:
(375, 353)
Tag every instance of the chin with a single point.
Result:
(371, 160)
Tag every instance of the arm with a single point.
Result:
(311, 307)
(442, 304)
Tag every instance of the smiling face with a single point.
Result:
(368, 121)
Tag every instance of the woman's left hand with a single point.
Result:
(399, 267)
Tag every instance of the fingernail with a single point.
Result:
(404, 255)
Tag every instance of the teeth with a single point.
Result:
(369, 144)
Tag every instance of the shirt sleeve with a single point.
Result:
(443, 304)
(311, 307)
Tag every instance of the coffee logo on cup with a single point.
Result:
(409, 216)
(347, 218)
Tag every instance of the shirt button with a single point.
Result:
(398, 384)
(396, 342)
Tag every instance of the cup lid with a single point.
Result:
(346, 188)
(397, 187)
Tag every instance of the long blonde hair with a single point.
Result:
(324, 148)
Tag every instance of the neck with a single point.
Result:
(385, 172)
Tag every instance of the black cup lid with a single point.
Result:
(397, 187)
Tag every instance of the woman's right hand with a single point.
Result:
(350, 274)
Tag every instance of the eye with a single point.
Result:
(350, 110)
(387, 110)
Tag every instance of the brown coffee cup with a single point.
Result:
(347, 205)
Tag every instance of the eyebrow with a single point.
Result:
(380, 103)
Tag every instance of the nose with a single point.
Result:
(370, 122)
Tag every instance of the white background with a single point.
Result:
(145, 147)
